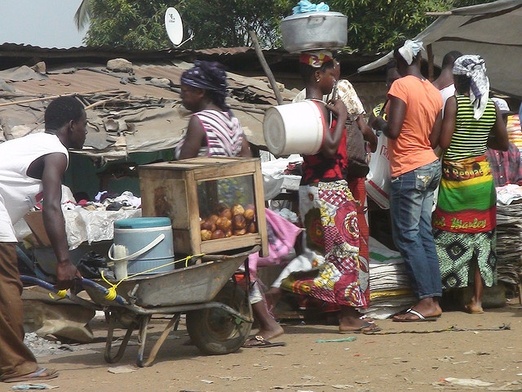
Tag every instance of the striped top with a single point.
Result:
(470, 136)
(224, 134)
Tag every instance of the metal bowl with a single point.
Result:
(314, 31)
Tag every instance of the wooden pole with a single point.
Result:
(266, 68)
(431, 72)
(50, 97)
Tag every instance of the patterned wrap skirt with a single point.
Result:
(464, 222)
(329, 214)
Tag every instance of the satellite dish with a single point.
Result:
(174, 25)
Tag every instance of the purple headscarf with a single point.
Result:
(207, 75)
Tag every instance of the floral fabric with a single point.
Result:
(329, 213)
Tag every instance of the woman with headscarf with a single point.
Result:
(328, 209)
(465, 218)
(413, 115)
(360, 141)
(212, 130)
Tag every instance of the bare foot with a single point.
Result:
(473, 308)
(350, 321)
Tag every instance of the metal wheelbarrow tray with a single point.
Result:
(185, 286)
(218, 312)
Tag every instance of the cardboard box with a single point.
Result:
(34, 220)
(190, 190)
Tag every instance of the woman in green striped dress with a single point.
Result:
(464, 220)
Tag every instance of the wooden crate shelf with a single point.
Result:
(171, 189)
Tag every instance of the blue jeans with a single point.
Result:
(411, 203)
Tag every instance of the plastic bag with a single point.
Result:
(378, 182)
(281, 239)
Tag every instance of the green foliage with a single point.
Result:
(138, 24)
(226, 23)
(131, 24)
(379, 25)
(373, 25)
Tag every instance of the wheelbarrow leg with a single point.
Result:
(109, 358)
(142, 338)
(173, 324)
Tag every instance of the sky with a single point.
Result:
(45, 23)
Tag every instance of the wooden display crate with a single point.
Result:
(177, 189)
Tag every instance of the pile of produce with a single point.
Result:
(229, 221)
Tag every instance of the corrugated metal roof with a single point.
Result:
(137, 111)
(128, 111)
(238, 59)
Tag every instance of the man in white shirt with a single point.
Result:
(445, 80)
(31, 170)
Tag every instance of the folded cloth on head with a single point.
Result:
(306, 6)
(410, 49)
(315, 58)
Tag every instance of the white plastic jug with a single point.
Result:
(295, 128)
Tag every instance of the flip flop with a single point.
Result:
(419, 317)
(368, 327)
(39, 374)
(261, 342)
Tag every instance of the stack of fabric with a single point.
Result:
(509, 244)
(389, 282)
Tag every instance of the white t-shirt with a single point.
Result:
(445, 93)
(19, 192)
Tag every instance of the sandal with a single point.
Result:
(39, 374)
(261, 342)
(412, 316)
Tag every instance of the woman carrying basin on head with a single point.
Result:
(328, 209)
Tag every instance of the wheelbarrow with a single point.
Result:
(218, 312)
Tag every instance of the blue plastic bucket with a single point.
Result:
(148, 242)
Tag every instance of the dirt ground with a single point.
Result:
(484, 351)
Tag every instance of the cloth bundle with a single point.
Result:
(306, 6)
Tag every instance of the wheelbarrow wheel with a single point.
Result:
(216, 331)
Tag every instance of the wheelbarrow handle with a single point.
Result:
(43, 284)
(110, 295)
(84, 282)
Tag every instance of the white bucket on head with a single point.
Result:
(144, 244)
(296, 128)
